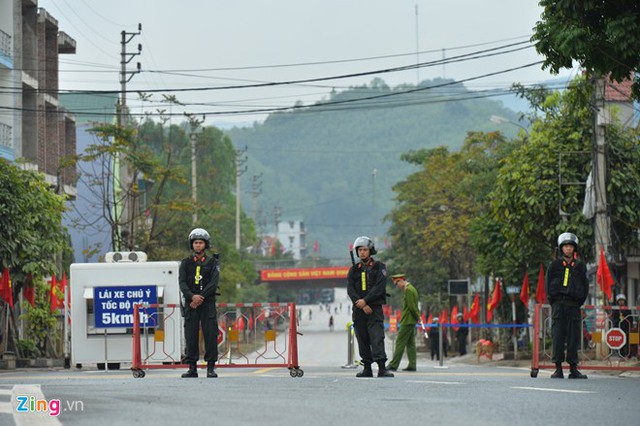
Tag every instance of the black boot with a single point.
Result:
(211, 370)
(382, 370)
(575, 374)
(558, 374)
(191, 372)
(366, 372)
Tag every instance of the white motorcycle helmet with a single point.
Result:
(199, 234)
(364, 242)
(568, 238)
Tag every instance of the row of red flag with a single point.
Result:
(603, 278)
(55, 287)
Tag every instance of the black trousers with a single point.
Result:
(462, 345)
(370, 334)
(204, 316)
(565, 329)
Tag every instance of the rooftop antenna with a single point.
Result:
(417, 48)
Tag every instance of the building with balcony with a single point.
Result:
(33, 126)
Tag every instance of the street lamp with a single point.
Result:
(501, 120)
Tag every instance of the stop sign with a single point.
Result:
(221, 335)
(616, 338)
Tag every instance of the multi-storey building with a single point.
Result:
(33, 126)
(291, 235)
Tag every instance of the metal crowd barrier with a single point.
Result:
(253, 335)
(610, 338)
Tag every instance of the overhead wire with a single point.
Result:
(343, 76)
(473, 55)
(465, 57)
(337, 61)
(454, 59)
(322, 107)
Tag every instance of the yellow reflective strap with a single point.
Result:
(198, 276)
(566, 277)
(363, 278)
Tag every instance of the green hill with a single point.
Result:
(333, 165)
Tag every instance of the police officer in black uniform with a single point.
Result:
(567, 289)
(198, 278)
(366, 287)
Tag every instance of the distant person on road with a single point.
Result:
(331, 325)
(567, 289)
(410, 316)
(434, 339)
(198, 278)
(367, 289)
(461, 335)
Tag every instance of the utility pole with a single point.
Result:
(276, 213)
(194, 182)
(374, 174)
(256, 189)
(240, 160)
(125, 218)
(444, 64)
(602, 221)
(417, 49)
(194, 122)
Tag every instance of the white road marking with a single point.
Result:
(6, 407)
(550, 390)
(433, 382)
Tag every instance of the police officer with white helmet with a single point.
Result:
(367, 289)
(567, 289)
(198, 277)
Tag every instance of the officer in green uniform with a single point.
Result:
(410, 316)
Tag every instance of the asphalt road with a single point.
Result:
(458, 394)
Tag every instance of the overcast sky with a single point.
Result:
(214, 44)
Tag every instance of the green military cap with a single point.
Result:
(398, 276)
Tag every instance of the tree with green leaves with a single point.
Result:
(39, 322)
(160, 157)
(432, 223)
(602, 36)
(32, 242)
(540, 188)
(31, 232)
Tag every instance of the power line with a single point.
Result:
(460, 58)
(331, 106)
(337, 61)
